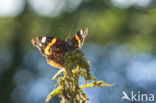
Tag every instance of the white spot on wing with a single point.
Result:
(81, 32)
(40, 44)
(43, 40)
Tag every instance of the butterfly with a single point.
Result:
(54, 49)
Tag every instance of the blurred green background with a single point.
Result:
(121, 46)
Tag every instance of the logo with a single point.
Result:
(137, 97)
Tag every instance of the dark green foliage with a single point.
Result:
(74, 59)
(76, 66)
(69, 89)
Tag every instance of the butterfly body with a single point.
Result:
(55, 49)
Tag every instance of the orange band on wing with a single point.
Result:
(54, 64)
(46, 51)
(78, 39)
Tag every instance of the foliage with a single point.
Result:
(69, 89)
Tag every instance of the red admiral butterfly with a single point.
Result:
(54, 49)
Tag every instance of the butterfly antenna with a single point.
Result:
(73, 24)
(61, 28)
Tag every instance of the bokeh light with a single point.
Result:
(11, 7)
(128, 3)
(53, 7)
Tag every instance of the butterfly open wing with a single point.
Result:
(54, 49)
(41, 43)
(79, 37)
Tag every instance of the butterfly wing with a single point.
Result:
(79, 37)
(41, 43)
(53, 48)
(57, 49)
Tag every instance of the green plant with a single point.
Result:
(68, 86)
